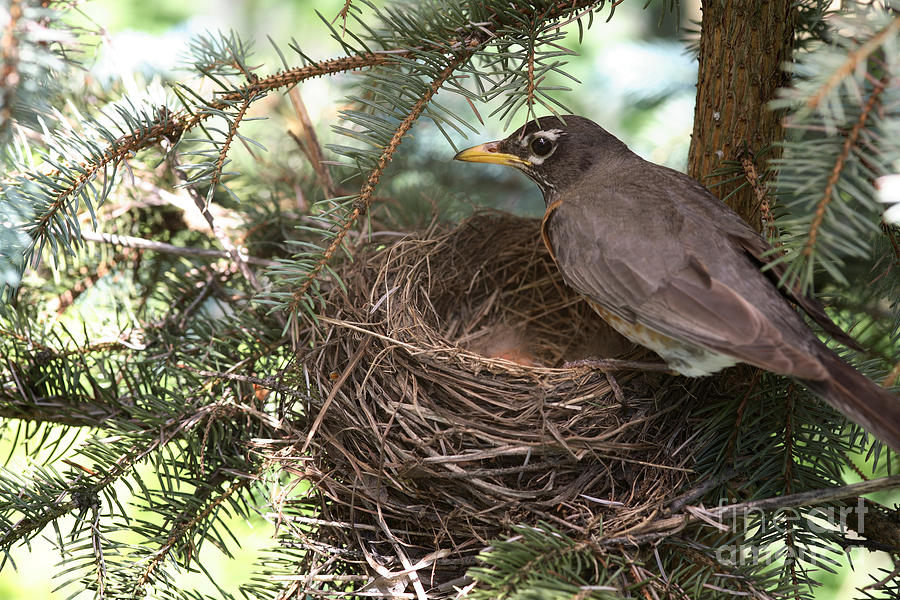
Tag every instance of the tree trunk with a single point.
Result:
(743, 45)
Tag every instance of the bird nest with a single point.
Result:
(447, 410)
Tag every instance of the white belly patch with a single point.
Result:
(685, 358)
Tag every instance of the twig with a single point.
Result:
(223, 151)
(846, 150)
(218, 232)
(128, 241)
(812, 497)
(761, 191)
(181, 530)
(361, 204)
(266, 382)
(529, 98)
(695, 493)
(666, 526)
(310, 143)
(853, 59)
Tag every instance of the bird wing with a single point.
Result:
(759, 249)
(706, 206)
(653, 263)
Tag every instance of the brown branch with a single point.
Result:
(181, 530)
(172, 125)
(168, 126)
(128, 241)
(761, 191)
(812, 497)
(666, 526)
(309, 143)
(361, 204)
(531, 85)
(846, 150)
(853, 59)
(223, 153)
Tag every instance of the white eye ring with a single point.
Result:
(537, 156)
(541, 146)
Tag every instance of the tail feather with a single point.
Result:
(860, 399)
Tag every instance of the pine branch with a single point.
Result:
(361, 204)
(841, 112)
(185, 528)
(163, 124)
(854, 59)
(79, 493)
(849, 144)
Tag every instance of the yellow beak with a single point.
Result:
(489, 153)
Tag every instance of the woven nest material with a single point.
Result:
(447, 414)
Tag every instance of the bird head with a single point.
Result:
(553, 151)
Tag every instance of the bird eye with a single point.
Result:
(541, 146)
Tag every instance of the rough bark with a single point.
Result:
(743, 46)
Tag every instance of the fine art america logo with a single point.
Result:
(762, 535)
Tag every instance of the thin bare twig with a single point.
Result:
(128, 241)
(368, 189)
(309, 143)
(666, 526)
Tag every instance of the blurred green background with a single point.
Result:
(637, 80)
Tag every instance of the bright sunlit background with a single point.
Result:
(637, 80)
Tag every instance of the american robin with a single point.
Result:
(674, 269)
